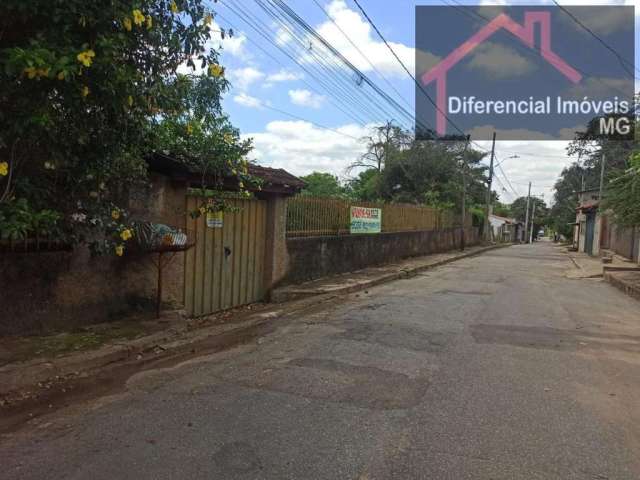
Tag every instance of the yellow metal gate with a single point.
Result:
(226, 267)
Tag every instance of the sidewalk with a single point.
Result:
(36, 379)
(593, 267)
(369, 277)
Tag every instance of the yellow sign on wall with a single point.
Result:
(215, 219)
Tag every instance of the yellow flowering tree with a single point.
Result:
(83, 86)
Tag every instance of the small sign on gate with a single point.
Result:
(366, 220)
(215, 219)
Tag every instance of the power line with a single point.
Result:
(297, 117)
(344, 34)
(623, 62)
(351, 115)
(294, 17)
(420, 87)
(325, 81)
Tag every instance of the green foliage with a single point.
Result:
(365, 186)
(321, 184)
(87, 89)
(620, 190)
(623, 193)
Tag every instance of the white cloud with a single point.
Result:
(247, 101)
(538, 162)
(305, 98)
(234, 45)
(243, 78)
(284, 76)
(499, 61)
(301, 148)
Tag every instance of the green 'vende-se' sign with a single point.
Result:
(366, 220)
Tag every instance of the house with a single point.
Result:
(586, 236)
(505, 230)
(65, 289)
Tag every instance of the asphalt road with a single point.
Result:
(493, 367)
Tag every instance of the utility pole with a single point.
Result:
(526, 221)
(604, 159)
(487, 234)
(464, 192)
(533, 216)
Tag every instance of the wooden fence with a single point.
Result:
(316, 216)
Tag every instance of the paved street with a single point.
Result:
(493, 367)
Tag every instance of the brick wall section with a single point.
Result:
(42, 292)
(316, 257)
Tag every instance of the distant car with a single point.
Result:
(541, 234)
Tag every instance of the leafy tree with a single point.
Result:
(87, 90)
(321, 184)
(365, 186)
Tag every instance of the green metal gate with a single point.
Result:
(225, 269)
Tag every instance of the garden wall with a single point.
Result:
(47, 291)
(315, 257)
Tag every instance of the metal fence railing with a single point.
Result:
(316, 216)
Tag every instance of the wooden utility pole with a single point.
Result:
(533, 216)
(526, 218)
(464, 193)
(487, 234)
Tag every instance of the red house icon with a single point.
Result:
(503, 21)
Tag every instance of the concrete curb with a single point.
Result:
(17, 377)
(285, 296)
(621, 284)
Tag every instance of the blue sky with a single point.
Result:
(264, 79)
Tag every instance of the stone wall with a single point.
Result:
(42, 292)
(315, 257)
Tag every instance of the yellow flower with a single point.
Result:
(208, 19)
(126, 234)
(115, 214)
(85, 91)
(31, 72)
(202, 210)
(4, 169)
(215, 70)
(228, 138)
(86, 57)
(130, 100)
(174, 7)
(138, 17)
(189, 129)
(241, 185)
(61, 75)
(119, 250)
(43, 72)
(127, 24)
(149, 22)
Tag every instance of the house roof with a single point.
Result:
(505, 219)
(589, 205)
(275, 180)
